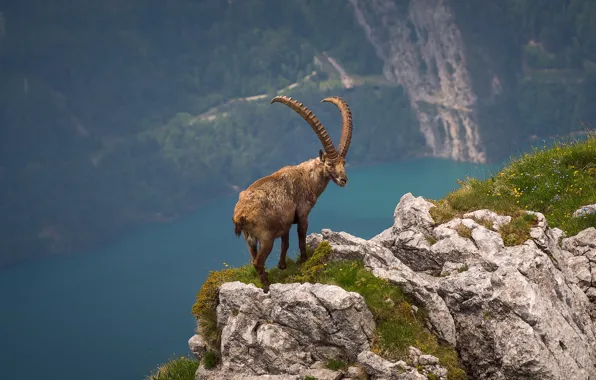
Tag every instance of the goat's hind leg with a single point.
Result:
(285, 244)
(252, 242)
(259, 263)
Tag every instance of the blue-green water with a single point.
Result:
(117, 312)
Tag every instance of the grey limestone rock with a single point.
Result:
(520, 312)
(379, 368)
(585, 210)
(197, 346)
(513, 312)
(285, 331)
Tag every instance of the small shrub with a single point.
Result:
(463, 231)
(430, 239)
(314, 264)
(486, 223)
(310, 378)
(518, 230)
(442, 212)
(336, 365)
(463, 268)
(432, 376)
(182, 368)
(211, 359)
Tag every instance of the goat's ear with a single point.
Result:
(321, 155)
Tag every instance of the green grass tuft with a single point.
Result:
(442, 212)
(486, 223)
(336, 365)
(430, 239)
(313, 265)
(182, 368)
(463, 231)
(518, 230)
(554, 181)
(210, 359)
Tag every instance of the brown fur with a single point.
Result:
(269, 207)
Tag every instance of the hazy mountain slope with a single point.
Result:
(124, 112)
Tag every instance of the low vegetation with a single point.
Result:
(554, 181)
(398, 327)
(181, 368)
(463, 231)
(210, 359)
(336, 365)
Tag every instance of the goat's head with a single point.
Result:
(334, 168)
(334, 160)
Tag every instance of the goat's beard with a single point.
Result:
(336, 181)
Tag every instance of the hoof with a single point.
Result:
(281, 266)
(266, 289)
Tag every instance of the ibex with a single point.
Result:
(267, 209)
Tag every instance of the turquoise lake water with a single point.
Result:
(117, 312)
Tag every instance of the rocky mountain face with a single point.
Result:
(425, 50)
(512, 312)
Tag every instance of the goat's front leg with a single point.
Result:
(259, 262)
(302, 228)
(285, 244)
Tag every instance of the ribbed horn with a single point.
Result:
(312, 120)
(346, 124)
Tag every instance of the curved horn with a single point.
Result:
(346, 123)
(312, 120)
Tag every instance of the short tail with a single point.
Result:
(238, 226)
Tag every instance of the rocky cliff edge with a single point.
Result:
(511, 312)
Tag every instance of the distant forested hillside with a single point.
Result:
(120, 112)
(558, 41)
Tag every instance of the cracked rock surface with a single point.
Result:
(289, 329)
(512, 312)
(422, 366)
(516, 312)
(579, 253)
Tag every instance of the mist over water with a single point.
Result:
(121, 310)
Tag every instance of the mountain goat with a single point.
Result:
(267, 209)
